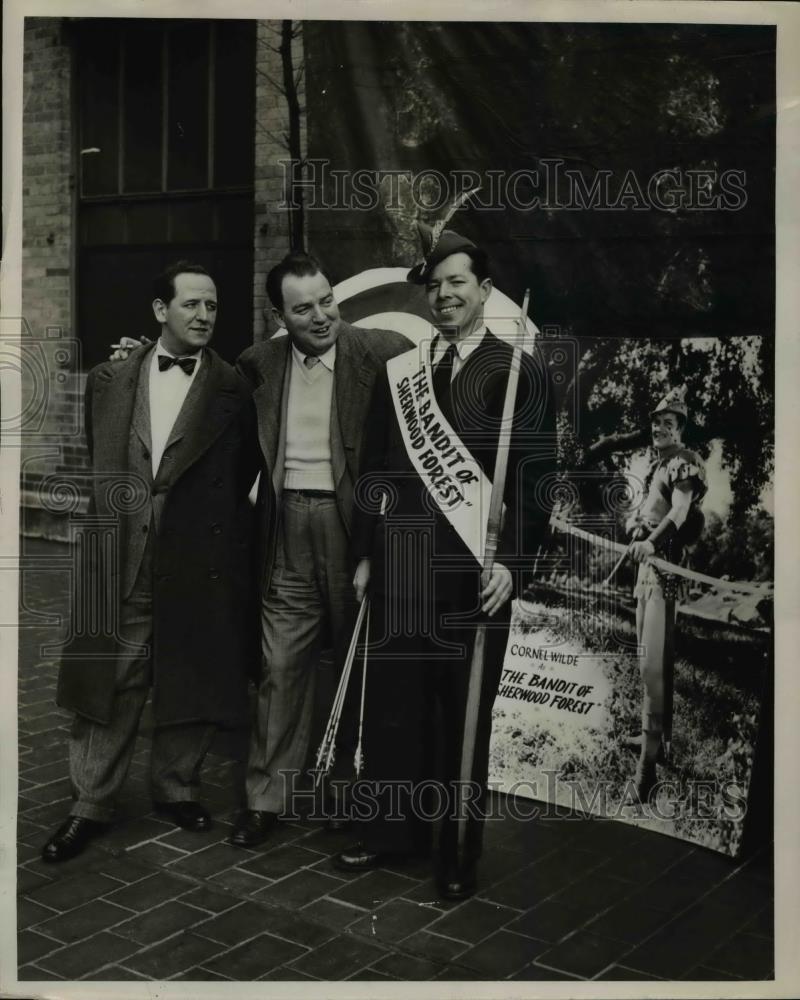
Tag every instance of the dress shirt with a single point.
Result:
(168, 391)
(464, 349)
(328, 358)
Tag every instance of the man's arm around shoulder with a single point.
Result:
(253, 361)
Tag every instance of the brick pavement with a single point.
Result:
(559, 899)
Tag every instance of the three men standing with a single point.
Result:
(321, 422)
(171, 438)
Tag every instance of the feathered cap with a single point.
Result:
(438, 242)
(673, 402)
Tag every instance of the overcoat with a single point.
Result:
(205, 607)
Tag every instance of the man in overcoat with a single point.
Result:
(171, 438)
(311, 393)
(430, 449)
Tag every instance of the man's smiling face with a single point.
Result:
(666, 429)
(310, 313)
(455, 296)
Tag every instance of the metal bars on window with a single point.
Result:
(149, 94)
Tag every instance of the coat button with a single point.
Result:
(163, 577)
(217, 481)
(213, 574)
(216, 529)
(145, 454)
(145, 528)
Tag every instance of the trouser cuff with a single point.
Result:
(88, 810)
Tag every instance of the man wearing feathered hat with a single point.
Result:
(430, 452)
(668, 520)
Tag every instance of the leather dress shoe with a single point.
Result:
(358, 859)
(253, 827)
(188, 815)
(459, 881)
(71, 838)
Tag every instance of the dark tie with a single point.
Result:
(166, 361)
(443, 375)
(310, 360)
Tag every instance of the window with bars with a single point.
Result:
(166, 139)
(165, 107)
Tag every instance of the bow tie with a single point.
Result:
(166, 361)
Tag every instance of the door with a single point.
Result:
(166, 119)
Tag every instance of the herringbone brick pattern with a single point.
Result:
(559, 898)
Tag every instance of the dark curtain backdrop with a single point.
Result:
(601, 97)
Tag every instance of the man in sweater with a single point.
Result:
(311, 390)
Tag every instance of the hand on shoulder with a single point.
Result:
(122, 350)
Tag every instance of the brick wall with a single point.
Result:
(47, 179)
(52, 385)
(271, 221)
(54, 462)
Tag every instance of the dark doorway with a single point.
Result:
(166, 124)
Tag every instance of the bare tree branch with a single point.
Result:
(277, 139)
(273, 83)
(288, 33)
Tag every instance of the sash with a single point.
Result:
(452, 477)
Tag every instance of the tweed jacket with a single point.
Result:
(360, 356)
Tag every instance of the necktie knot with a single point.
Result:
(449, 356)
(310, 360)
(166, 361)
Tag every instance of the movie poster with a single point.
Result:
(569, 716)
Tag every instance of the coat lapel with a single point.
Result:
(338, 453)
(187, 415)
(113, 398)
(140, 419)
(471, 383)
(206, 412)
(353, 383)
(271, 400)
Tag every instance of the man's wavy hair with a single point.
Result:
(164, 284)
(298, 264)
